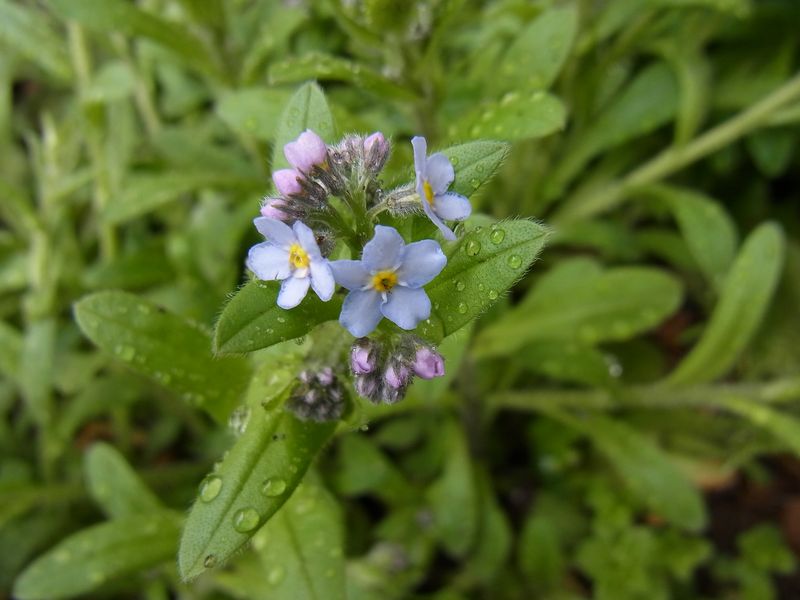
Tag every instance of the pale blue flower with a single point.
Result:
(434, 175)
(387, 282)
(290, 255)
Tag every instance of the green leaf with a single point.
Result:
(307, 109)
(481, 266)
(646, 103)
(454, 496)
(106, 16)
(363, 468)
(256, 477)
(566, 361)
(302, 547)
(253, 111)
(174, 352)
(646, 469)
(475, 163)
(142, 194)
(517, 116)
(581, 303)
(772, 150)
(253, 320)
(745, 296)
(709, 231)
(324, 67)
(24, 30)
(10, 350)
(782, 426)
(115, 486)
(493, 545)
(535, 58)
(90, 558)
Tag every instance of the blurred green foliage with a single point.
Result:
(597, 423)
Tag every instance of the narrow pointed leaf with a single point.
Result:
(174, 352)
(253, 320)
(744, 298)
(103, 553)
(25, 30)
(257, 476)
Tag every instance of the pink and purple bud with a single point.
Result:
(272, 209)
(376, 151)
(397, 376)
(428, 363)
(363, 356)
(307, 151)
(287, 181)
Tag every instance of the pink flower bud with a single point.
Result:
(376, 140)
(376, 151)
(306, 151)
(272, 209)
(366, 387)
(396, 376)
(286, 181)
(362, 358)
(428, 363)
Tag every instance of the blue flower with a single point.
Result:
(291, 255)
(434, 175)
(387, 282)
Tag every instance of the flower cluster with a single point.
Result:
(318, 396)
(383, 372)
(302, 227)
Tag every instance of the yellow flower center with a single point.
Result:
(298, 258)
(384, 281)
(426, 187)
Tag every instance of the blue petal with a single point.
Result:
(361, 312)
(422, 261)
(446, 231)
(420, 146)
(452, 206)
(307, 239)
(407, 307)
(322, 279)
(439, 172)
(277, 232)
(293, 290)
(350, 274)
(268, 262)
(384, 250)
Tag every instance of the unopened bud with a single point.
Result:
(428, 363)
(287, 181)
(306, 151)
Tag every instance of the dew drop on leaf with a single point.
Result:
(475, 183)
(462, 308)
(245, 520)
(276, 575)
(497, 236)
(209, 561)
(492, 294)
(460, 285)
(472, 247)
(273, 487)
(210, 488)
(126, 353)
(514, 261)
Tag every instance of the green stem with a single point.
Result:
(676, 158)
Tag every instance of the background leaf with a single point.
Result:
(306, 109)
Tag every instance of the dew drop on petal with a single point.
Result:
(210, 488)
(514, 261)
(497, 236)
(245, 520)
(273, 487)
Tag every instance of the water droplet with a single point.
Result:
(497, 236)
(126, 353)
(281, 320)
(245, 520)
(514, 261)
(475, 183)
(472, 247)
(293, 468)
(462, 308)
(210, 488)
(481, 287)
(492, 294)
(210, 561)
(454, 161)
(460, 285)
(276, 575)
(273, 487)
